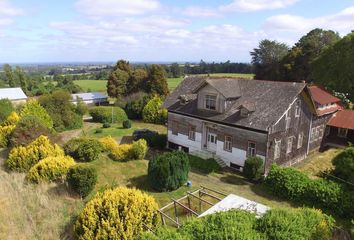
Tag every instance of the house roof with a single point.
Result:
(342, 119)
(12, 94)
(269, 100)
(321, 96)
(236, 202)
(88, 96)
(228, 87)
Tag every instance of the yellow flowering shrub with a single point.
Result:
(108, 143)
(122, 153)
(139, 149)
(12, 119)
(5, 132)
(23, 158)
(50, 169)
(117, 214)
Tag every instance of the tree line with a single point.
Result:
(320, 56)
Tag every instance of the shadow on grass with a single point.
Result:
(234, 179)
(4, 152)
(141, 182)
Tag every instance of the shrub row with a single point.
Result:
(108, 114)
(126, 152)
(289, 183)
(278, 224)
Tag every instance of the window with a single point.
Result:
(312, 137)
(327, 131)
(300, 140)
(174, 127)
(210, 102)
(342, 132)
(251, 150)
(277, 149)
(228, 143)
(320, 132)
(297, 109)
(316, 133)
(287, 120)
(191, 133)
(289, 145)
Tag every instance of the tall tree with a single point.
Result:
(266, 59)
(334, 67)
(9, 75)
(137, 81)
(118, 79)
(296, 65)
(21, 78)
(156, 82)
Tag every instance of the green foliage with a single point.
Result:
(158, 141)
(205, 166)
(127, 124)
(108, 143)
(82, 179)
(83, 149)
(6, 108)
(253, 168)
(284, 224)
(108, 114)
(121, 153)
(168, 171)
(135, 104)
(11, 120)
(23, 158)
(118, 79)
(165, 234)
(33, 108)
(81, 108)
(153, 111)
(106, 125)
(329, 196)
(117, 214)
(266, 59)
(61, 110)
(50, 169)
(99, 130)
(156, 82)
(139, 149)
(29, 128)
(344, 165)
(5, 133)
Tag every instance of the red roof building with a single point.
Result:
(342, 119)
(325, 102)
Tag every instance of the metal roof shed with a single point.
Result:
(13, 94)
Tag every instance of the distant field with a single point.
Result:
(100, 85)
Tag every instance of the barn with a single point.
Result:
(15, 95)
(93, 98)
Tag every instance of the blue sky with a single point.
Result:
(157, 30)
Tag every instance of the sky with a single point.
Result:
(158, 30)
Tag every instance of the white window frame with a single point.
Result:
(289, 145)
(277, 148)
(300, 140)
(251, 151)
(208, 100)
(312, 137)
(342, 132)
(297, 108)
(287, 120)
(191, 132)
(228, 143)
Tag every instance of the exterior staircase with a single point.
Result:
(207, 155)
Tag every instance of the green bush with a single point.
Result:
(50, 169)
(253, 168)
(344, 165)
(205, 166)
(6, 108)
(168, 171)
(33, 108)
(5, 133)
(135, 104)
(104, 114)
(106, 125)
(82, 179)
(127, 124)
(284, 224)
(81, 108)
(28, 129)
(83, 149)
(21, 158)
(153, 111)
(121, 153)
(119, 214)
(139, 149)
(157, 140)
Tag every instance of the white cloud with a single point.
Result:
(116, 8)
(198, 11)
(7, 9)
(5, 21)
(255, 5)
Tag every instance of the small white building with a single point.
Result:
(89, 98)
(15, 95)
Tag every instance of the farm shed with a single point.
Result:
(96, 98)
(15, 95)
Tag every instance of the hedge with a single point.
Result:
(83, 149)
(82, 179)
(344, 165)
(289, 183)
(118, 214)
(253, 168)
(23, 158)
(168, 171)
(50, 169)
(104, 114)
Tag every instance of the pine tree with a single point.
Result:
(157, 83)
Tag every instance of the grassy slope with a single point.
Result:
(93, 85)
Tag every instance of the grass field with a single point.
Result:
(100, 85)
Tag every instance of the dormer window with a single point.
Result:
(210, 102)
(244, 112)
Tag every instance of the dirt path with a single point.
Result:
(67, 135)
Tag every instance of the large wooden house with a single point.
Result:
(232, 119)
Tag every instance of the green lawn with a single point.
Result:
(93, 85)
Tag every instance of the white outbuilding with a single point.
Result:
(89, 98)
(15, 95)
